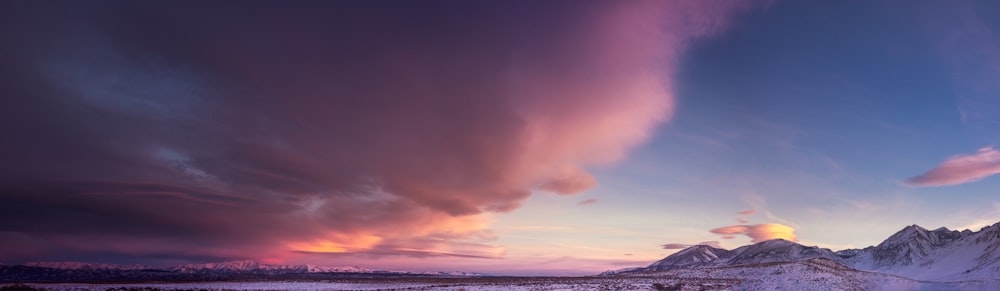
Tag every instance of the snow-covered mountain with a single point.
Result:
(84, 266)
(777, 250)
(328, 269)
(771, 251)
(904, 248)
(249, 266)
(691, 256)
(939, 255)
(807, 274)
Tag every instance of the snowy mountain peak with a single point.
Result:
(911, 245)
(913, 252)
(693, 255)
(778, 242)
(704, 249)
(778, 250)
(909, 233)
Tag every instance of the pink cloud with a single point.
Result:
(587, 201)
(574, 183)
(961, 169)
(747, 212)
(759, 232)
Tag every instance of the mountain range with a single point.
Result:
(914, 258)
(231, 270)
(913, 254)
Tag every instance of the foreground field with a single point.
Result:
(772, 276)
(633, 282)
(485, 283)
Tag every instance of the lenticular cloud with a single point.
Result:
(759, 232)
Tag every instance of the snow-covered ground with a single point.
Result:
(812, 274)
(454, 284)
(776, 276)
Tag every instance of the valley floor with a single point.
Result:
(485, 283)
(631, 282)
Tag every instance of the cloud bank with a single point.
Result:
(961, 169)
(221, 131)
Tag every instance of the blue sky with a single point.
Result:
(817, 112)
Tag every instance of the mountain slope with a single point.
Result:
(940, 255)
(691, 256)
(937, 255)
(777, 250)
(808, 274)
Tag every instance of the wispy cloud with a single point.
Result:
(961, 169)
(747, 212)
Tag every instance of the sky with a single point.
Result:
(503, 137)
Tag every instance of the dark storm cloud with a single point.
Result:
(239, 129)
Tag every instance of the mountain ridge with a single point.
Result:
(913, 252)
(228, 270)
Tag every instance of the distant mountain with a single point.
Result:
(249, 266)
(84, 266)
(914, 252)
(232, 270)
(241, 266)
